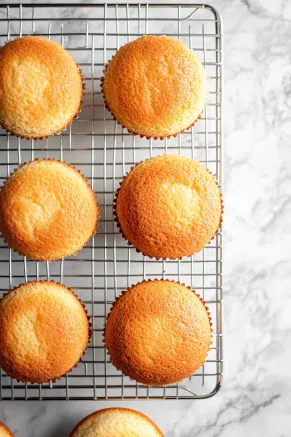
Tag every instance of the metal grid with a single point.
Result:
(104, 152)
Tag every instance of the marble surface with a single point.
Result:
(255, 398)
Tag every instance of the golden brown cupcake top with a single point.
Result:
(4, 431)
(117, 422)
(44, 331)
(168, 207)
(47, 210)
(40, 87)
(155, 86)
(158, 332)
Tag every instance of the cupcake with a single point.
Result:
(4, 431)
(41, 87)
(158, 332)
(47, 210)
(155, 86)
(117, 422)
(168, 207)
(44, 331)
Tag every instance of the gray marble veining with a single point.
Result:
(255, 398)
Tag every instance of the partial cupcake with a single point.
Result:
(155, 86)
(48, 210)
(158, 332)
(4, 431)
(168, 207)
(44, 331)
(117, 422)
(41, 87)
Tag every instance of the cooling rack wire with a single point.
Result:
(104, 153)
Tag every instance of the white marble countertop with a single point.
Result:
(255, 398)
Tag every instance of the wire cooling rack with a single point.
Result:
(104, 152)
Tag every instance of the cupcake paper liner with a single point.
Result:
(90, 331)
(135, 133)
(83, 177)
(156, 280)
(131, 244)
